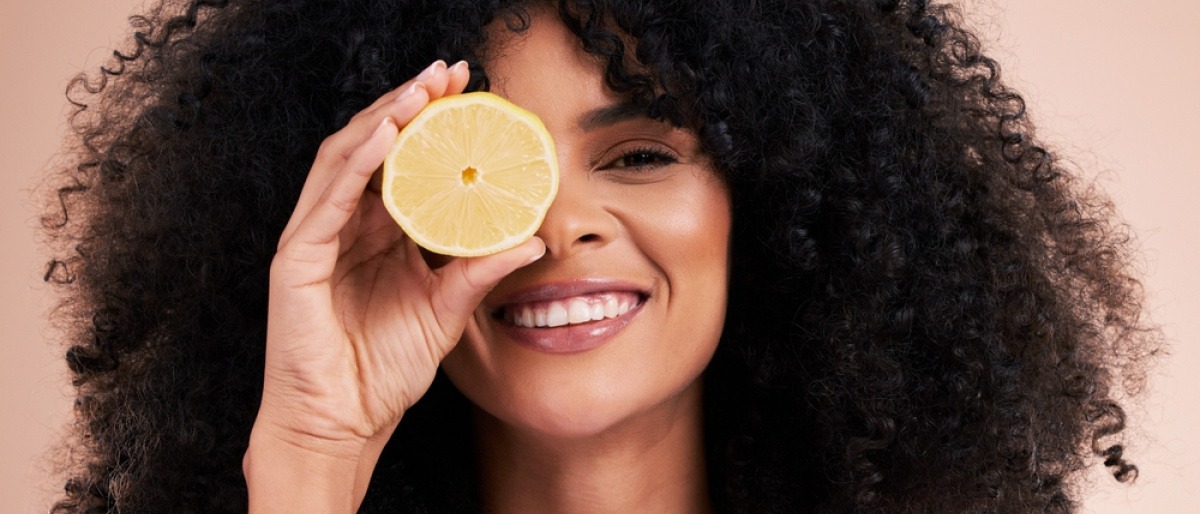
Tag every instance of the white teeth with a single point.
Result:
(556, 315)
(577, 310)
(596, 312)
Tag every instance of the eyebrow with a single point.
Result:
(610, 115)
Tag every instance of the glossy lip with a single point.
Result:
(568, 338)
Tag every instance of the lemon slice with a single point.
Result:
(471, 174)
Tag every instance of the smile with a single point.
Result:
(571, 316)
(575, 310)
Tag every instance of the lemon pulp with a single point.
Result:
(471, 174)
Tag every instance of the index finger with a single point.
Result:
(436, 81)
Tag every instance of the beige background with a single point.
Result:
(1112, 86)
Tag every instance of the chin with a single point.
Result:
(581, 413)
(553, 413)
(568, 420)
(617, 388)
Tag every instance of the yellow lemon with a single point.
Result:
(471, 174)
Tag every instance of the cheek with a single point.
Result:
(684, 229)
(691, 245)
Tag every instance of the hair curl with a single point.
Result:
(927, 312)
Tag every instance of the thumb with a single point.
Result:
(466, 281)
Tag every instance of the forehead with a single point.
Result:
(545, 68)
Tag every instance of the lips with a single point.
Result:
(569, 316)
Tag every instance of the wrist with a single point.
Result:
(279, 433)
(289, 473)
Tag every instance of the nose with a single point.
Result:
(578, 220)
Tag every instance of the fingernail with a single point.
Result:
(458, 67)
(383, 124)
(428, 72)
(409, 92)
(534, 258)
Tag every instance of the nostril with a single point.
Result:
(589, 238)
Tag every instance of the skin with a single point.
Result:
(625, 415)
(359, 322)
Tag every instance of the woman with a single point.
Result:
(848, 277)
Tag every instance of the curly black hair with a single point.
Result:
(928, 311)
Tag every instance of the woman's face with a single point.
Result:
(620, 317)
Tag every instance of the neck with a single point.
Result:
(654, 463)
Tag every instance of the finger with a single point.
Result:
(339, 145)
(336, 148)
(464, 282)
(325, 172)
(427, 74)
(377, 236)
(315, 240)
(457, 77)
(331, 145)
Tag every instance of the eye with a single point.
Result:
(642, 158)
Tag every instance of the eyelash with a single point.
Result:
(658, 156)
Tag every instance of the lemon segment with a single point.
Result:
(471, 174)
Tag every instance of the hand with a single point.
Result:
(358, 322)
